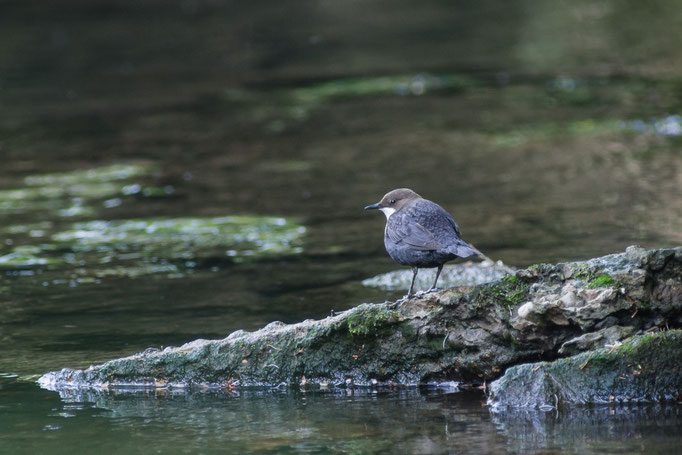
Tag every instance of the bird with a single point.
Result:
(420, 233)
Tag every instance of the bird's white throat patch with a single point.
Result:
(388, 211)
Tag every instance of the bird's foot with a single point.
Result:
(406, 297)
(402, 300)
(395, 305)
(432, 289)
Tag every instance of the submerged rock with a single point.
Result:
(469, 273)
(469, 334)
(138, 247)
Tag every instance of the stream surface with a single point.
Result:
(174, 170)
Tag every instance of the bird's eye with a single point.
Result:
(392, 201)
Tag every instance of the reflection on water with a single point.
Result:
(633, 428)
(550, 131)
(415, 421)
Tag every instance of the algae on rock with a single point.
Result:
(164, 245)
(643, 368)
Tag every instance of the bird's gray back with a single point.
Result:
(435, 219)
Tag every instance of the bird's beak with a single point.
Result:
(373, 206)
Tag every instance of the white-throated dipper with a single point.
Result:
(420, 233)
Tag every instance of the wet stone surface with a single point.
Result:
(641, 369)
(463, 334)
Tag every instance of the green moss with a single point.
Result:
(632, 349)
(535, 268)
(368, 318)
(636, 343)
(593, 280)
(602, 281)
(507, 292)
(581, 272)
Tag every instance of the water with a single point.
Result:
(361, 421)
(550, 133)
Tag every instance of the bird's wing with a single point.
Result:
(435, 213)
(408, 231)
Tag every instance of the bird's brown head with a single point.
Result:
(394, 201)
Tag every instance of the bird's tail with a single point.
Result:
(464, 250)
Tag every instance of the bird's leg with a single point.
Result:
(414, 276)
(409, 295)
(433, 288)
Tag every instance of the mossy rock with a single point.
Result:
(469, 334)
(643, 368)
(369, 319)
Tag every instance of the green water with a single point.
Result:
(179, 170)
